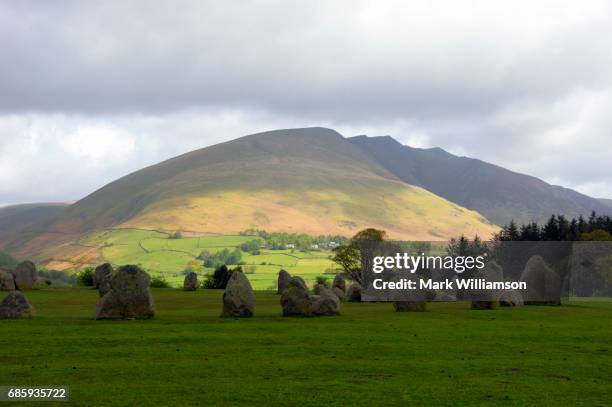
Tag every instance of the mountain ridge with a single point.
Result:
(501, 195)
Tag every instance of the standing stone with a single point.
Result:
(487, 299)
(444, 296)
(354, 292)
(105, 285)
(410, 306)
(129, 297)
(25, 276)
(238, 298)
(339, 283)
(191, 281)
(100, 274)
(543, 284)
(408, 300)
(7, 281)
(511, 298)
(339, 293)
(295, 299)
(299, 280)
(326, 303)
(283, 281)
(15, 305)
(318, 287)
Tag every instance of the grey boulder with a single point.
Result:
(15, 305)
(283, 281)
(129, 296)
(7, 281)
(339, 282)
(353, 293)
(191, 281)
(511, 298)
(543, 283)
(295, 299)
(238, 298)
(326, 303)
(25, 276)
(100, 273)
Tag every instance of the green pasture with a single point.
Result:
(369, 355)
(159, 255)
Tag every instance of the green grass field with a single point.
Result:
(369, 355)
(161, 256)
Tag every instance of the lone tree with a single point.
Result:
(358, 254)
(348, 257)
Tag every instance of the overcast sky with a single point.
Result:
(91, 91)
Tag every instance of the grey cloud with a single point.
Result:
(286, 57)
(506, 82)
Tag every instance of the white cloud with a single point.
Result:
(99, 145)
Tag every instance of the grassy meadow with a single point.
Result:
(164, 257)
(369, 355)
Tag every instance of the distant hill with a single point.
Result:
(497, 193)
(298, 180)
(34, 217)
(607, 202)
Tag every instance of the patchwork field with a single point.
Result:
(369, 355)
(161, 256)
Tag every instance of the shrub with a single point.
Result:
(323, 280)
(251, 245)
(220, 278)
(159, 282)
(176, 235)
(204, 255)
(224, 256)
(85, 277)
(194, 266)
(8, 261)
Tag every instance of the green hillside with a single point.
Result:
(168, 258)
(309, 180)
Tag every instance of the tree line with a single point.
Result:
(559, 228)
